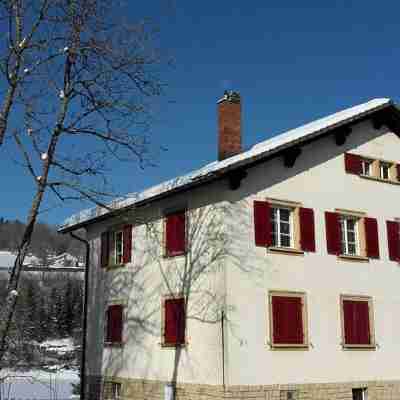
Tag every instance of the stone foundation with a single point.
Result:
(135, 389)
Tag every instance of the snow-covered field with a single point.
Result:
(53, 384)
(38, 385)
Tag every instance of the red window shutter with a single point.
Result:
(127, 251)
(333, 233)
(175, 234)
(356, 322)
(262, 223)
(307, 229)
(398, 171)
(353, 163)
(363, 325)
(287, 320)
(393, 233)
(371, 237)
(349, 323)
(174, 325)
(114, 324)
(104, 249)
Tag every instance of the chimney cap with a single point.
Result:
(231, 96)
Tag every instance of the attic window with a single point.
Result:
(379, 170)
(384, 170)
(367, 167)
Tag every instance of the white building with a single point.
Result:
(270, 274)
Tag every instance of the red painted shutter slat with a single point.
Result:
(114, 323)
(350, 322)
(333, 234)
(262, 223)
(363, 330)
(174, 331)
(307, 229)
(356, 322)
(287, 320)
(371, 237)
(127, 251)
(393, 233)
(176, 234)
(353, 163)
(104, 249)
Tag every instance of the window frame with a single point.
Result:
(115, 249)
(276, 223)
(369, 301)
(164, 299)
(345, 243)
(281, 346)
(362, 249)
(294, 206)
(389, 166)
(370, 163)
(123, 320)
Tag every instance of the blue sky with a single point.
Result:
(292, 62)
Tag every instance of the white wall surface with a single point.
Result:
(317, 180)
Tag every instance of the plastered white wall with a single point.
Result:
(317, 180)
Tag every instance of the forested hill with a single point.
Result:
(49, 304)
(45, 241)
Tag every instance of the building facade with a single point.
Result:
(270, 274)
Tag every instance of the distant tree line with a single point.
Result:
(45, 240)
(49, 306)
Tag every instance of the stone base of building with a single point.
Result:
(136, 389)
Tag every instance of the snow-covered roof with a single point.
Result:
(217, 168)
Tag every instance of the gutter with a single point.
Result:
(85, 307)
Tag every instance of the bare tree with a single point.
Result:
(80, 85)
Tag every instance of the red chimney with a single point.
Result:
(229, 121)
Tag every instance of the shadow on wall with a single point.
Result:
(214, 242)
(215, 233)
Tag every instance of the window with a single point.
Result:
(384, 169)
(380, 170)
(287, 319)
(174, 322)
(360, 394)
(114, 324)
(282, 227)
(112, 390)
(367, 167)
(357, 321)
(349, 230)
(175, 234)
(116, 247)
(352, 234)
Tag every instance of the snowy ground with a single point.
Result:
(38, 385)
(52, 384)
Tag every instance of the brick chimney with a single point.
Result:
(229, 122)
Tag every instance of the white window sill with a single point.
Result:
(356, 258)
(285, 250)
(376, 178)
(359, 346)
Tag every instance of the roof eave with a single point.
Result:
(239, 164)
